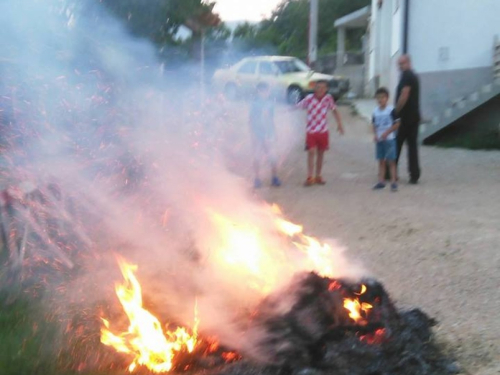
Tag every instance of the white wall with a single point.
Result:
(385, 42)
(452, 34)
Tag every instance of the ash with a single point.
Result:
(316, 336)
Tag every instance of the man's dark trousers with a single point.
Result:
(408, 132)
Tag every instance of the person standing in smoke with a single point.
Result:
(263, 134)
(408, 109)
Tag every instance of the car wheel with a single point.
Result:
(231, 91)
(294, 95)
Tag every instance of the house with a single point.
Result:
(452, 44)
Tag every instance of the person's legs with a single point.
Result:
(380, 156)
(393, 172)
(381, 171)
(413, 163)
(400, 140)
(257, 152)
(323, 145)
(392, 168)
(319, 162)
(256, 167)
(391, 156)
(274, 166)
(311, 153)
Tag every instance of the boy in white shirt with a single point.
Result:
(385, 125)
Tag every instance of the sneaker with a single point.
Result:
(276, 182)
(257, 184)
(309, 182)
(413, 181)
(319, 181)
(379, 186)
(394, 187)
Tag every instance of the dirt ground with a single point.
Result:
(435, 246)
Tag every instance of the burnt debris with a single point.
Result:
(318, 334)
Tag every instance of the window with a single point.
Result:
(395, 6)
(292, 66)
(248, 68)
(267, 69)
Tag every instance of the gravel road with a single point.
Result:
(435, 245)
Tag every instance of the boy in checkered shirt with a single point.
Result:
(317, 135)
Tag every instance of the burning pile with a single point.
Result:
(317, 324)
(343, 327)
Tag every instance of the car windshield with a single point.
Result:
(292, 66)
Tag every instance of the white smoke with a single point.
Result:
(151, 168)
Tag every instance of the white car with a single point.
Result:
(289, 78)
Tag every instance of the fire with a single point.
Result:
(319, 254)
(238, 247)
(145, 339)
(242, 248)
(357, 310)
(377, 337)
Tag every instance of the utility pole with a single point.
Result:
(202, 75)
(199, 25)
(313, 33)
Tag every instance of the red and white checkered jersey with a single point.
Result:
(317, 110)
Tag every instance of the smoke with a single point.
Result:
(129, 160)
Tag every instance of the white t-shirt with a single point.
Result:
(384, 119)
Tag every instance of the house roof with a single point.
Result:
(357, 19)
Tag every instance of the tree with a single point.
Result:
(287, 28)
(245, 31)
(159, 20)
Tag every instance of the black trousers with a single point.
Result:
(408, 132)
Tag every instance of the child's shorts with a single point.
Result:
(386, 150)
(317, 140)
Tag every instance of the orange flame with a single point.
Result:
(145, 339)
(242, 248)
(358, 310)
(319, 254)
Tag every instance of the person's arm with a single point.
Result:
(336, 114)
(394, 127)
(375, 138)
(391, 130)
(338, 119)
(405, 92)
(302, 104)
(403, 98)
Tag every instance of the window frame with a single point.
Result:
(246, 63)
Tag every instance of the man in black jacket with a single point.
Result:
(408, 109)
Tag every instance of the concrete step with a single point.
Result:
(459, 108)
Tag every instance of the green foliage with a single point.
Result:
(26, 339)
(219, 33)
(287, 29)
(158, 20)
(245, 31)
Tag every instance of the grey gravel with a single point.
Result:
(435, 245)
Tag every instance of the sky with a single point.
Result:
(245, 10)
